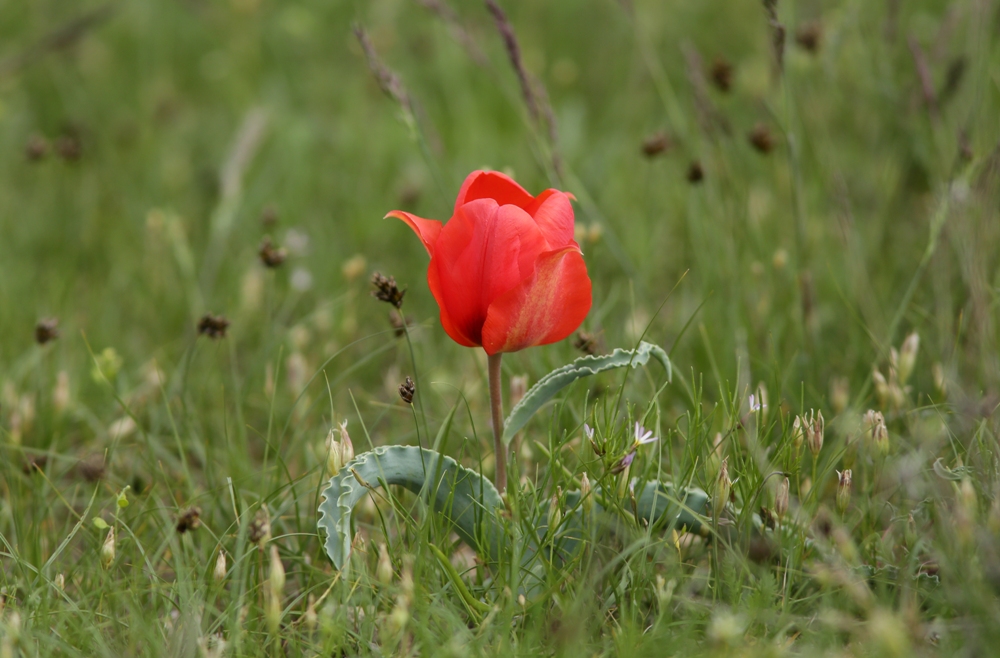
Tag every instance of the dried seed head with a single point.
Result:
(695, 173)
(722, 74)
(36, 148)
(761, 138)
(406, 390)
(656, 144)
(808, 36)
(723, 488)
(213, 326)
(399, 323)
(46, 330)
(386, 290)
(384, 572)
(270, 255)
(259, 531)
(843, 490)
(587, 343)
(781, 499)
(908, 357)
(108, 549)
(189, 520)
(220, 567)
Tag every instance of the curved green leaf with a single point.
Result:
(546, 387)
(468, 500)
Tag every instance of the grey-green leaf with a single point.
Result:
(547, 387)
(464, 497)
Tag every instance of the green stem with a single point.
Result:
(496, 407)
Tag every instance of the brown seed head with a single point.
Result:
(190, 519)
(36, 148)
(761, 138)
(406, 390)
(386, 290)
(270, 255)
(808, 36)
(695, 173)
(213, 326)
(46, 330)
(259, 531)
(68, 146)
(656, 144)
(722, 74)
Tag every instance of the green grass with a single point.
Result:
(876, 214)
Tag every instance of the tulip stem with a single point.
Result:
(496, 407)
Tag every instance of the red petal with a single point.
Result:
(450, 326)
(544, 308)
(426, 229)
(492, 185)
(483, 252)
(554, 214)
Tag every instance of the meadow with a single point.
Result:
(798, 202)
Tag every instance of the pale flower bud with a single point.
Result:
(310, 617)
(586, 494)
(277, 575)
(881, 387)
(383, 572)
(876, 431)
(798, 433)
(840, 393)
(908, 357)
(781, 499)
(843, 490)
(815, 427)
(346, 446)
(108, 549)
(939, 381)
(555, 511)
(334, 454)
(723, 488)
(220, 567)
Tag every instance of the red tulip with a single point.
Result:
(505, 270)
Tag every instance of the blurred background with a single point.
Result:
(778, 222)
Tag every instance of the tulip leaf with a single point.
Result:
(466, 499)
(547, 387)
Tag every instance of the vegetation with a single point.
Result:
(799, 204)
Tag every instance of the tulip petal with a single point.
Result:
(426, 229)
(451, 327)
(483, 252)
(492, 185)
(553, 213)
(545, 308)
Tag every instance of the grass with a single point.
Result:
(148, 149)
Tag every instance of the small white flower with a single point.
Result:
(643, 436)
(588, 431)
(756, 404)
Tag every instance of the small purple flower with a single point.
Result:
(755, 404)
(624, 463)
(643, 436)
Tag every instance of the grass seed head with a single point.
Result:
(386, 290)
(271, 256)
(213, 326)
(407, 390)
(46, 330)
(259, 531)
(190, 519)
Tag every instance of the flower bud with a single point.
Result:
(310, 618)
(723, 488)
(781, 499)
(334, 454)
(277, 575)
(843, 490)
(908, 357)
(383, 572)
(881, 387)
(108, 549)
(876, 431)
(840, 394)
(220, 567)
(798, 433)
(347, 447)
(940, 385)
(586, 494)
(815, 427)
(61, 582)
(555, 511)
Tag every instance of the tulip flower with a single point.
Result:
(506, 273)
